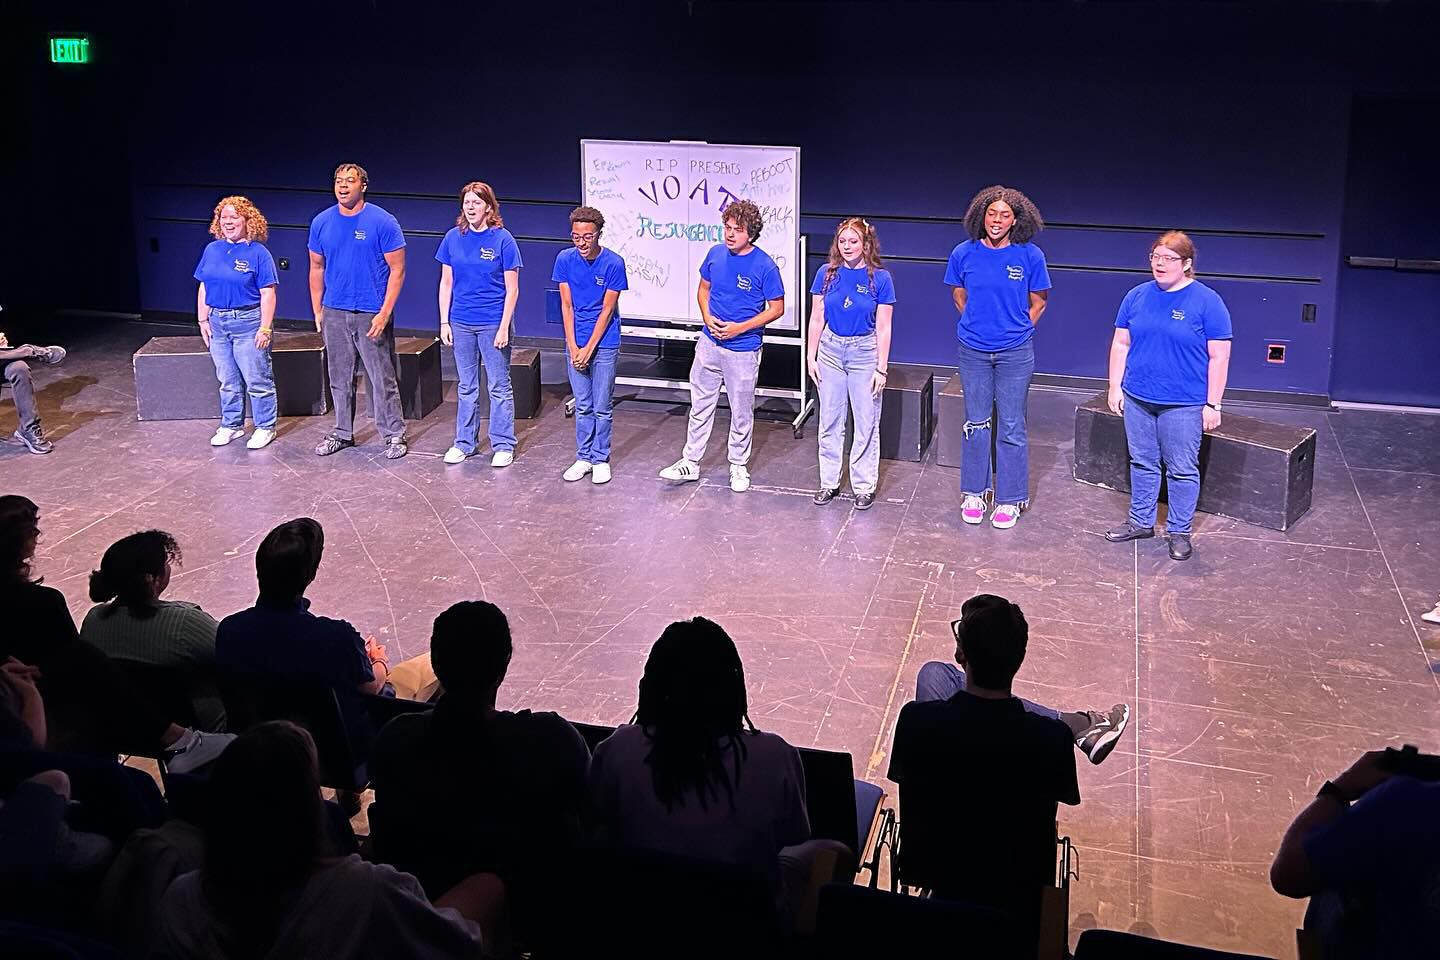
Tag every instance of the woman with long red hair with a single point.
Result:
(849, 355)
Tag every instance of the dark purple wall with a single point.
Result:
(1120, 120)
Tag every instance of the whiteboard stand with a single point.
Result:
(799, 393)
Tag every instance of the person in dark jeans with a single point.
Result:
(357, 266)
(16, 375)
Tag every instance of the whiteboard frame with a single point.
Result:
(685, 328)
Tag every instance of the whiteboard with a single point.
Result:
(662, 204)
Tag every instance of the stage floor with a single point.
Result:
(1255, 671)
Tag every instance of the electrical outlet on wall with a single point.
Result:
(1275, 353)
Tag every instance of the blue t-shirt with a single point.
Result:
(354, 249)
(588, 284)
(234, 273)
(1380, 862)
(293, 642)
(1169, 359)
(478, 260)
(850, 302)
(997, 287)
(740, 286)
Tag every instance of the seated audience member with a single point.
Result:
(269, 887)
(1095, 733)
(467, 787)
(980, 775)
(132, 623)
(15, 372)
(89, 706)
(279, 635)
(1367, 853)
(691, 777)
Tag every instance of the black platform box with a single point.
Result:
(421, 388)
(1250, 470)
(524, 383)
(949, 423)
(907, 414)
(175, 378)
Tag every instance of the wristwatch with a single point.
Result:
(1329, 789)
(1214, 406)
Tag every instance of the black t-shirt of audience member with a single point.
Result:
(979, 783)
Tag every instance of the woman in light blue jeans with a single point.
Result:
(236, 309)
(849, 356)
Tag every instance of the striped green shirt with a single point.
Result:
(178, 635)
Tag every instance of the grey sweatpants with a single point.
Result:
(737, 370)
(345, 343)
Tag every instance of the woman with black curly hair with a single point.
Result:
(1001, 285)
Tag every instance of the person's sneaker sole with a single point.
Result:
(1107, 740)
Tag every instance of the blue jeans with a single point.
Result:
(242, 367)
(475, 346)
(847, 367)
(1170, 435)
(941, 681)
(996, 383)
(593, 388)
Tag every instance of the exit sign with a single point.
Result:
(69, 49)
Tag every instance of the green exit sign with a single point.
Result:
(69, 49)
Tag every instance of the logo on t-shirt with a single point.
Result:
(847, 304)
(242, 266)
(743, 283)
(486, 253)
(862, 288)
(1177, 314)
(359, 234)
(599, 281)
(1014, 272)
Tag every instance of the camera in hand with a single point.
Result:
(1408, 761)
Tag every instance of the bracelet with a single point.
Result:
(266, 329)
(381, 660)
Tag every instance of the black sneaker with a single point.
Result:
(332, 444)
(34, 438)
(864, 501)
(1180, 548)
(395, 448)
(825, 495)
(1104, 732)
(1129, 531)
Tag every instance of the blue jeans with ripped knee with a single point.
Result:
(996, 385)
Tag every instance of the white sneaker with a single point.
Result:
(739, 478)
(1433, 616)
(224, 435)
(681, 470)
(195, 749)
(455, 455)
(972, 509)
(601, 474)
(502, 458)
(576, 470)
(260, 438)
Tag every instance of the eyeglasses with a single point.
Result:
(1161, 258)
(577, 237)
(955, 626)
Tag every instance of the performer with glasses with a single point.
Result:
(590, 278)
(1169, 360)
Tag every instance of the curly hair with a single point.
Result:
(588, 215)
(257, 228)
(1028, 221)
(359, 172)
(869, 251)
(747, 214)
(486, 193)
(19, 526)
(1180, 243)
(125, 566)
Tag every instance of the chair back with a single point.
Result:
(167, 688)
(254, 698)
(859, 923)
(1114, 945)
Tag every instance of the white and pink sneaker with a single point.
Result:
(972, 509)
(1004, 516)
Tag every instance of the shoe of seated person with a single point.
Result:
(1432, 616)
(34, 438)
(195, 749)
(1104, 732)
(50, 355)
